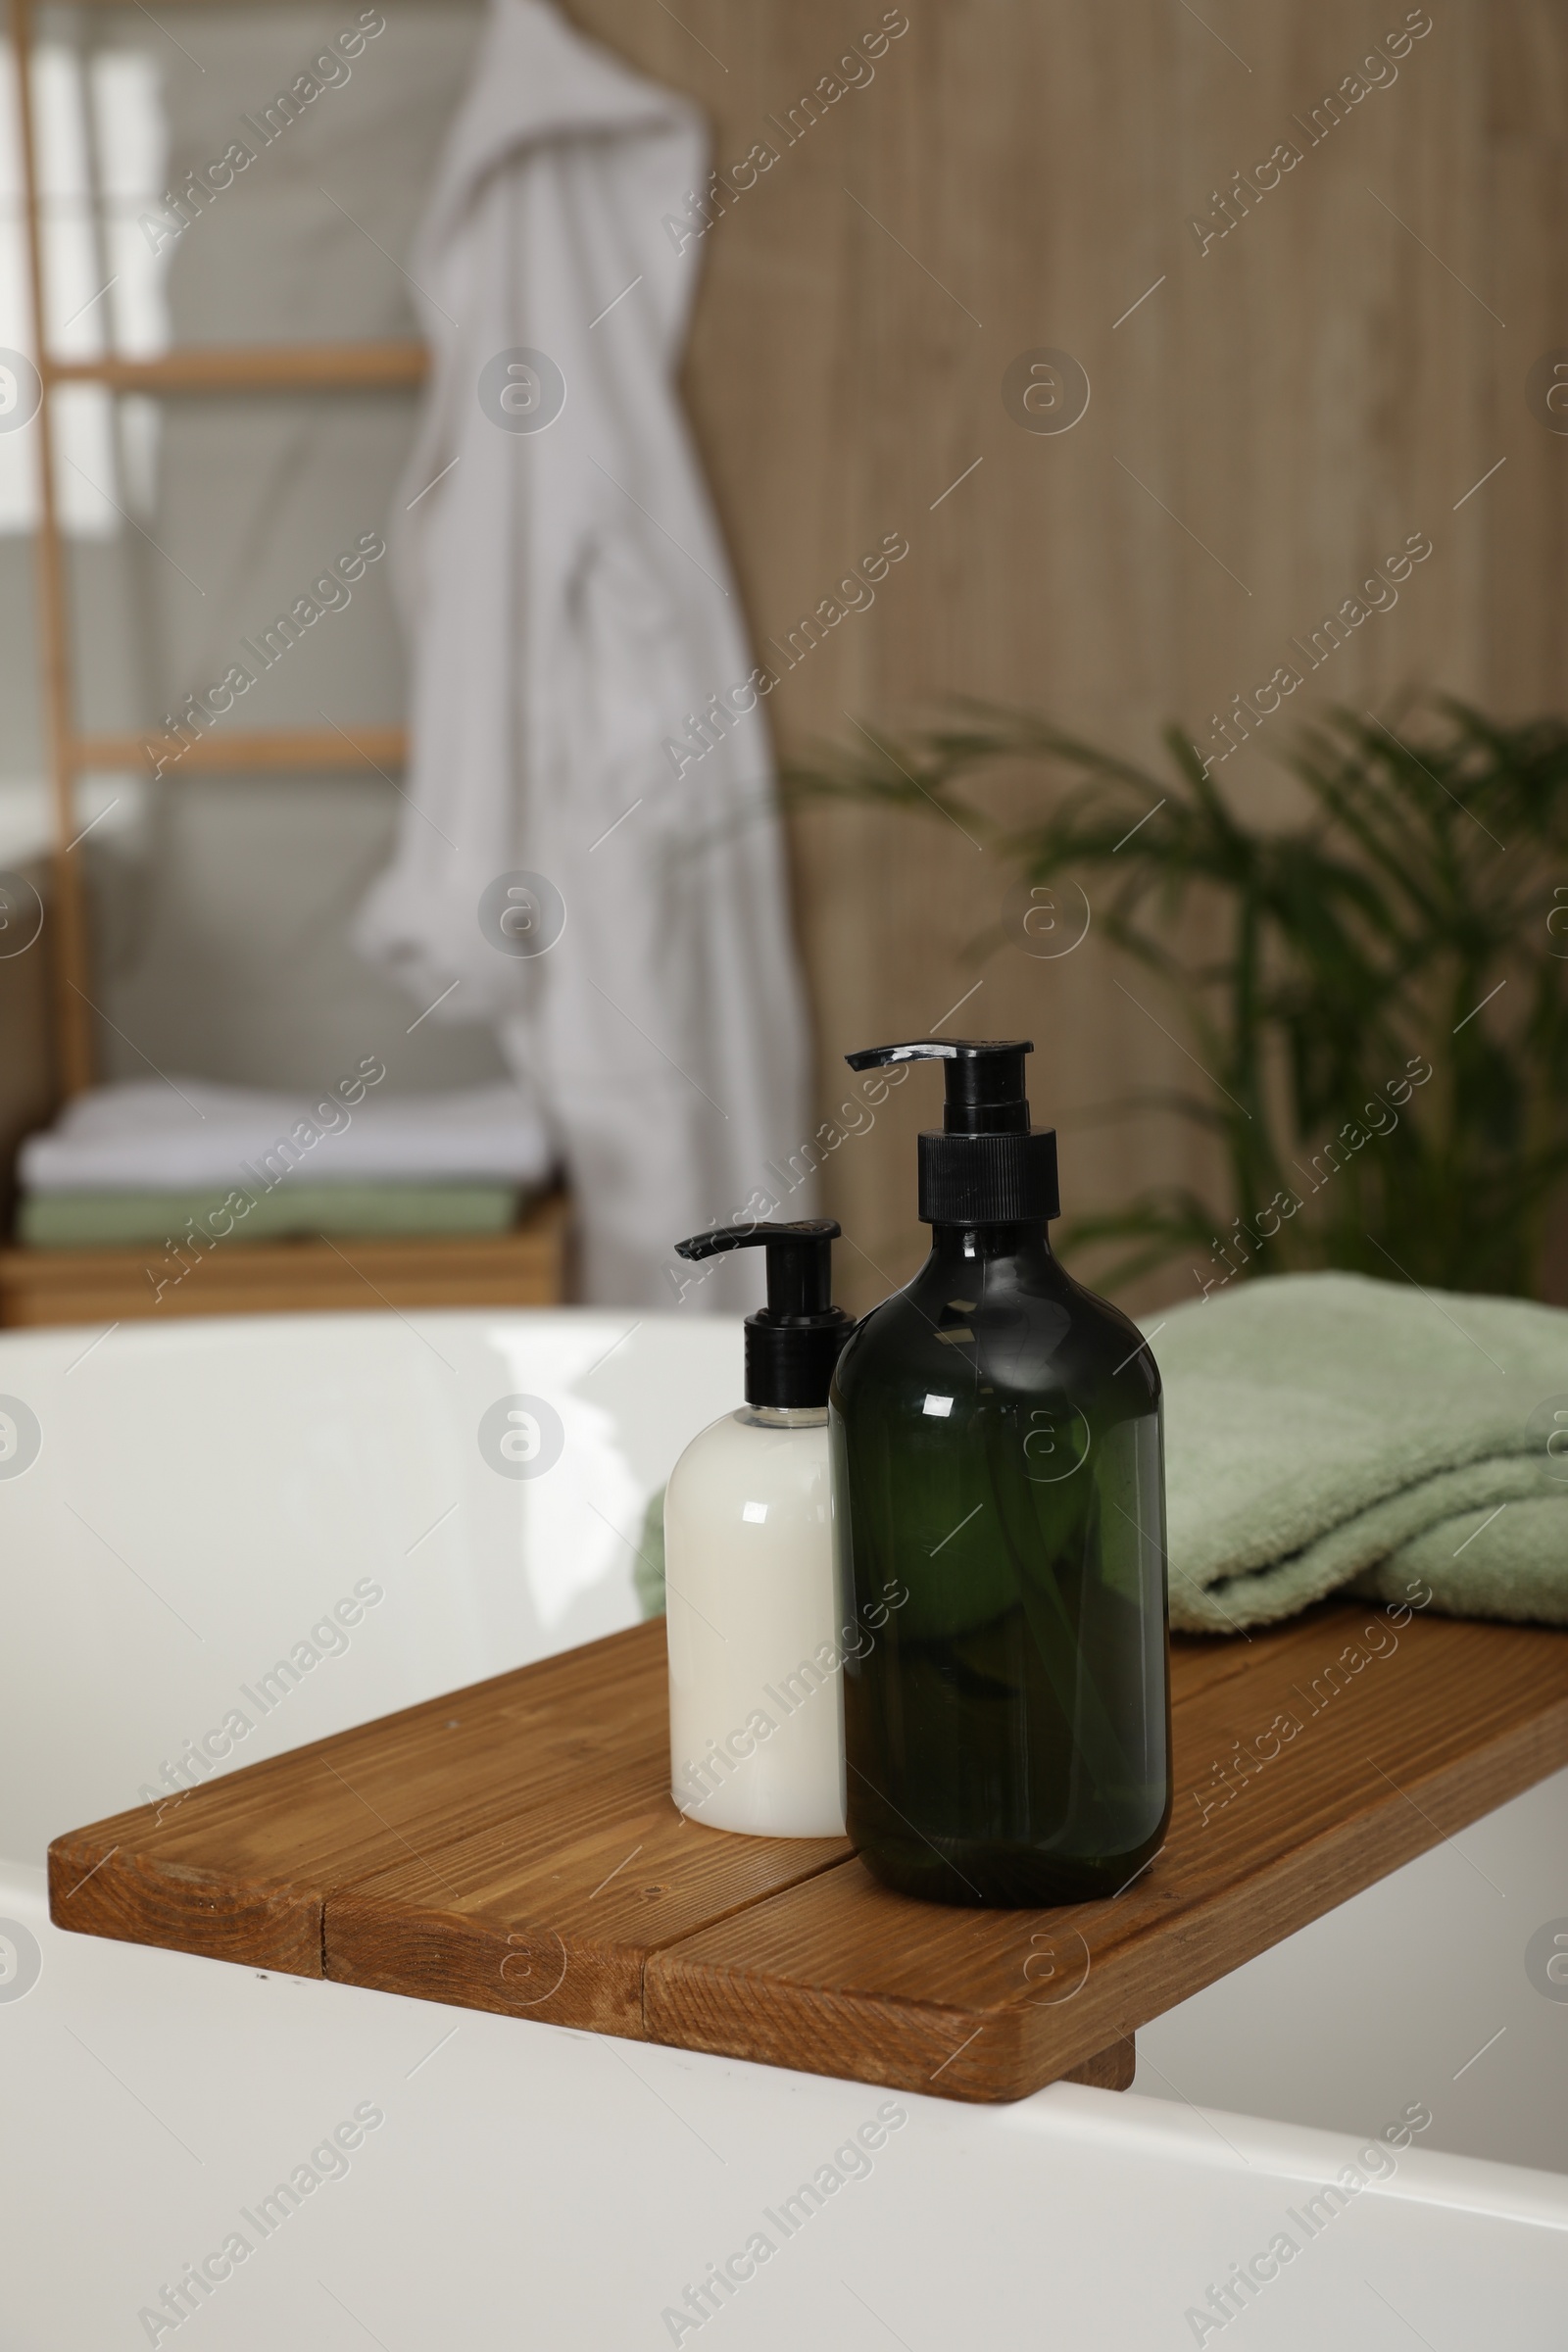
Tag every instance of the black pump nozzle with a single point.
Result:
(988, 1166)
(793, 1344)
(985, 1080)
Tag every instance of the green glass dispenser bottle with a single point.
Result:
(998, 1457)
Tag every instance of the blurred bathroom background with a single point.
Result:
(1288, 380)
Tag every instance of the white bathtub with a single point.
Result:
(206, 1492)
(201, 1499)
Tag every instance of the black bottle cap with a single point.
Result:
(988, 1166)
(792, 1343)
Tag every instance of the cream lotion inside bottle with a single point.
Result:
(756, 1705)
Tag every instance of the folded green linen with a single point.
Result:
(1324, 1431)
(110, 1220)
(648, 1573)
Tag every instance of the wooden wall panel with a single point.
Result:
(1292, 403)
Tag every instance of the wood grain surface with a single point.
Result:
(514, 1847)
(1269, 416)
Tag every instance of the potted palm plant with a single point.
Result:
(1380, 1000)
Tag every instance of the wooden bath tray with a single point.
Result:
(512, 1847)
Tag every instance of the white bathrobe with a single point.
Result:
(569, 604)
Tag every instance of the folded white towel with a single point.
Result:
(149, 1136)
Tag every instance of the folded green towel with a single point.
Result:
(1323, 1430)
(1525, 1562)
(648, 1575)
(114, 1220)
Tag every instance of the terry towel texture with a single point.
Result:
(119, 1220)
(1326, 1430)
(148, 1135)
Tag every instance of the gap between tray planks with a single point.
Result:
(512, 1847)
(535, 1788)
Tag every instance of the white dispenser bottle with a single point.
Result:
(756, 1709)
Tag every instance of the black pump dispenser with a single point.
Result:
(997, 1460)
(793, 1344)
(988, 1166)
